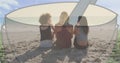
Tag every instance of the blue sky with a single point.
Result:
(7, 6)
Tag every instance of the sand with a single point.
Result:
(22, 46)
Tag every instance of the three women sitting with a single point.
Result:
(63, 32)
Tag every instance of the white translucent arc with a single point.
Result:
(30, 15)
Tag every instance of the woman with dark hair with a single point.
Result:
(81, 33)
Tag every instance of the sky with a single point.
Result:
(6, 6)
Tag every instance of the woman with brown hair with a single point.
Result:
(81, 33)
(63, 32)
(46, 39)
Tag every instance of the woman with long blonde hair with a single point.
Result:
(63, 17)
(63, 32)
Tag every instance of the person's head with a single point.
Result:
(82, 21)
(79, 18)
(63, 18)
(45, 19)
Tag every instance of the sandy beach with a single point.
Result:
(22, 46)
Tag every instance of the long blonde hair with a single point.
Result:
(63, 18)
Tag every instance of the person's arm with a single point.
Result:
(52, 27)
(70, 29)
(76, 30)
